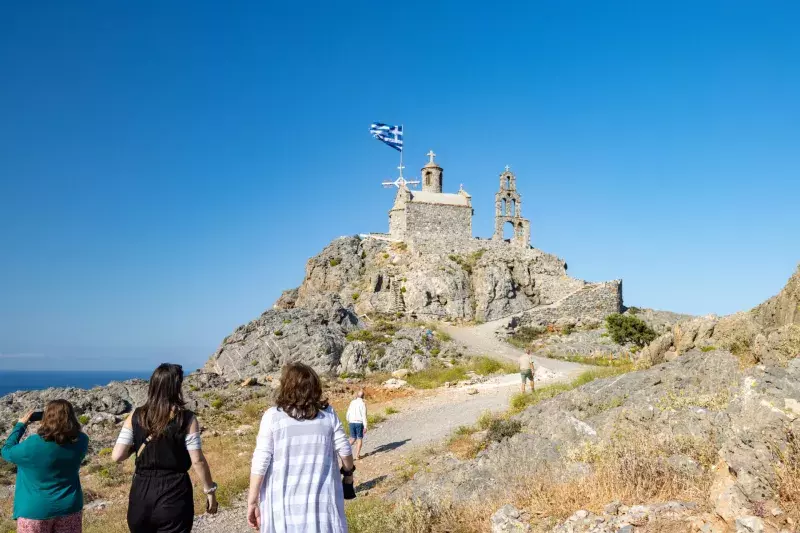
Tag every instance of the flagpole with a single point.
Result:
(401, 151)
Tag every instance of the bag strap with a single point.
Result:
(139, 451)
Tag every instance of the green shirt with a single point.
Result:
(48, 480)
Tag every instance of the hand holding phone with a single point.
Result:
(36, 416)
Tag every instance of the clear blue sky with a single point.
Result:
(166, 168)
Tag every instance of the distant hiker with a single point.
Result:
(357, 418)
(165, 436)
(296, 483)
(526, 370)
(48, 494)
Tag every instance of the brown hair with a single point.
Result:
(59, 423)
(164, 399)
(300, 394)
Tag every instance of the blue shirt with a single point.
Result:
(48, 479)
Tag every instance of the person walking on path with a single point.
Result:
(166, 439)
(357, 418)
(48, 495)
(296, 484)
(526, 369)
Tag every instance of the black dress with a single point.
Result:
(161, 492)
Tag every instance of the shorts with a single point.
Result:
(357, 431)
(72, 523)
(526, 375)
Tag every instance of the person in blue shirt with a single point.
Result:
(48, 494)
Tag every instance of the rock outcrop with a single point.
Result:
(769, 333)
(353, 282)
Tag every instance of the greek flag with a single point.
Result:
(391, 135)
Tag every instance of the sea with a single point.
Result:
(19, 380)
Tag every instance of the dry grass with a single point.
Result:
(463, 445)
(788, 476)
(630, 467)
(376, 515)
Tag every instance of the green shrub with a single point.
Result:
(375, 418)
(435, 352)
(402, 289)
(386, 256)
(253, 363)
(525, 335)
(335, 261)
(105, 451)
(363, 255)
(634, 310)
(287, 320)
(279, 333)
(485, 366)
(355, 296)
(216, 403)
(435, 377)
(500, 429)
(625, 328)
(708, 348)
(84, 419)
(391, 411)
(568, 329)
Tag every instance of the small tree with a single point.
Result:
(625, 328)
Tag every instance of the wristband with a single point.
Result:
(212, 490)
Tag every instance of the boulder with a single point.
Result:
(401, 373)
(394, 383)
(507, 519)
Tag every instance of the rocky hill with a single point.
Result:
(356, 282)
(714, 423)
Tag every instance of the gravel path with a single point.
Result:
(427, 418)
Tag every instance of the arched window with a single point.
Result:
(508, 183)
(513, 208)
(428, 178)
(509, 232)
(503, 207)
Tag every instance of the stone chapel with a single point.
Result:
(430, 216)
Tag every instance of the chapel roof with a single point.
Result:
(425, 197)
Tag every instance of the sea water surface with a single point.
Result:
(17, 380)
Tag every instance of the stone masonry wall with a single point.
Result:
(397, 223)
(440, 223)
(595, 301)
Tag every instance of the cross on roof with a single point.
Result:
(400, 168)
(507, 167)
(431, 155)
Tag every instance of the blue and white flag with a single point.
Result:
(391, 135)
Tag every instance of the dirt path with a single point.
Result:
(428, 417)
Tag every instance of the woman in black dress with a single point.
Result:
(166, 439)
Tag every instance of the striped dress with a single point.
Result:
(299, 459)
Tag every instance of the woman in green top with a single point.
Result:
(48, 495)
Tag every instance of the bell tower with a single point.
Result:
(432, 175)
(508, 210)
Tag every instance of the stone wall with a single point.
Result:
(595, 301)
(441, 223)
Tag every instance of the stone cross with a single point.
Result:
(431, 155)
(507, 167)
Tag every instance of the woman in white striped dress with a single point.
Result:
(295, 479)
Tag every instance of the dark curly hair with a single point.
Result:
(300, 394)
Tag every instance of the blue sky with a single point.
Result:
(166, 168)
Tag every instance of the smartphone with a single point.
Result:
(36, 416)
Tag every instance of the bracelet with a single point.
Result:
(212, 490)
